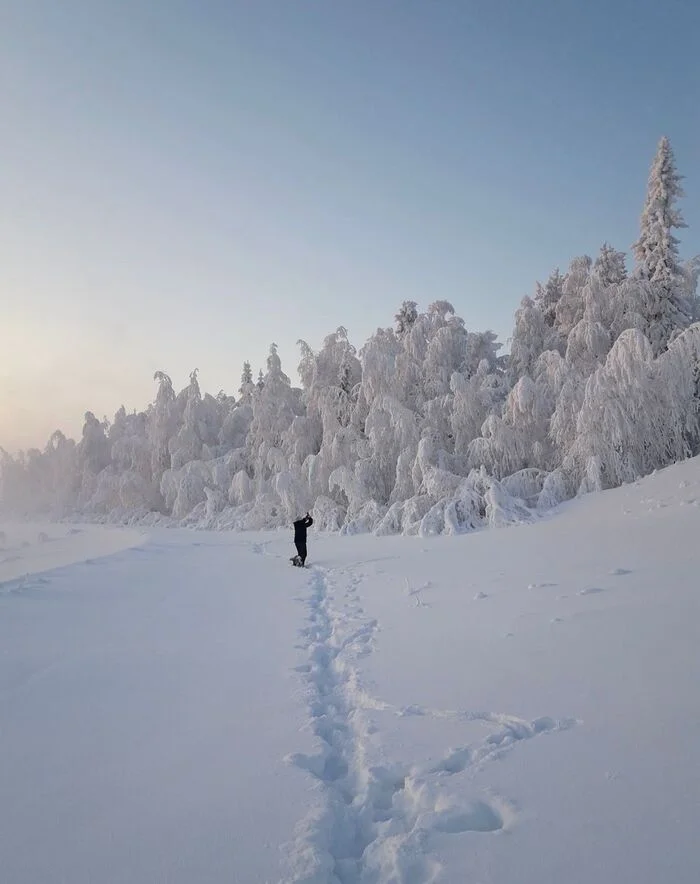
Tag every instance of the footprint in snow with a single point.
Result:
(479, 596)
(619, 572)
(477, 817)
(590, 590)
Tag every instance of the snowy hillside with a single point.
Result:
(510, 705)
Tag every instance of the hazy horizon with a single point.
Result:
(186, 183)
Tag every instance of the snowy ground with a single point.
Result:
(515, 705)
(27, 549)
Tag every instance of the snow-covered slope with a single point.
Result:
(511, 705)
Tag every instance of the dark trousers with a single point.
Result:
(301, 549)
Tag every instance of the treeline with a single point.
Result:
(427, 428)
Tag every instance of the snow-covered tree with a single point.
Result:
(679, 378)
(93, 450)
(274, 409)
(529, 341)
(610, 265)
(547, 296)
(663, 300)
(161, 425)
(691, 274)
(187, 444)
(61, 462)
(445, 355)
(406, 316)
(480, 347)
(623, 429)
(570, 306)
(474, 398)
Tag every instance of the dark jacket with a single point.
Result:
(300, 527)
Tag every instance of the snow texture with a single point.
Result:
(515, 705)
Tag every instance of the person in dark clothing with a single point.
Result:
(300, 527)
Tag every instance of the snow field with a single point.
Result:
(511, 705)
(30, 548)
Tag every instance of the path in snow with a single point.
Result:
(376, 818)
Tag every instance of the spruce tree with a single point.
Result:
(610, 265)
(663, 300)
(547, 296)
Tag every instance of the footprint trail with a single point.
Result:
(376, 821)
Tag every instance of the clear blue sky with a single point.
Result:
(184, 181)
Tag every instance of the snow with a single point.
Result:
(31, 548)
(516, 704)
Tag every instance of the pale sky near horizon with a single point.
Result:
(185, 182)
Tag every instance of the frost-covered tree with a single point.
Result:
(587, 346)
(187, 444)
(610, 265)
(274, 409)
(528, 411)
(445, 355)
(623, 429)
(235, 426)
(246, 375)
(161, 425)
(61, 461)
(480, 347)
(321, 439)
(529, 340)
(570, 306)
(129, 443)
(406, 316)
(474, 398)
(547, 296)
(691, 273)
(679, 378)
(127, 485)
(601, 301)
(662, 295)
(329, 379)
(93, 450)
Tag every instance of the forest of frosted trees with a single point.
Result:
(427, 428)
